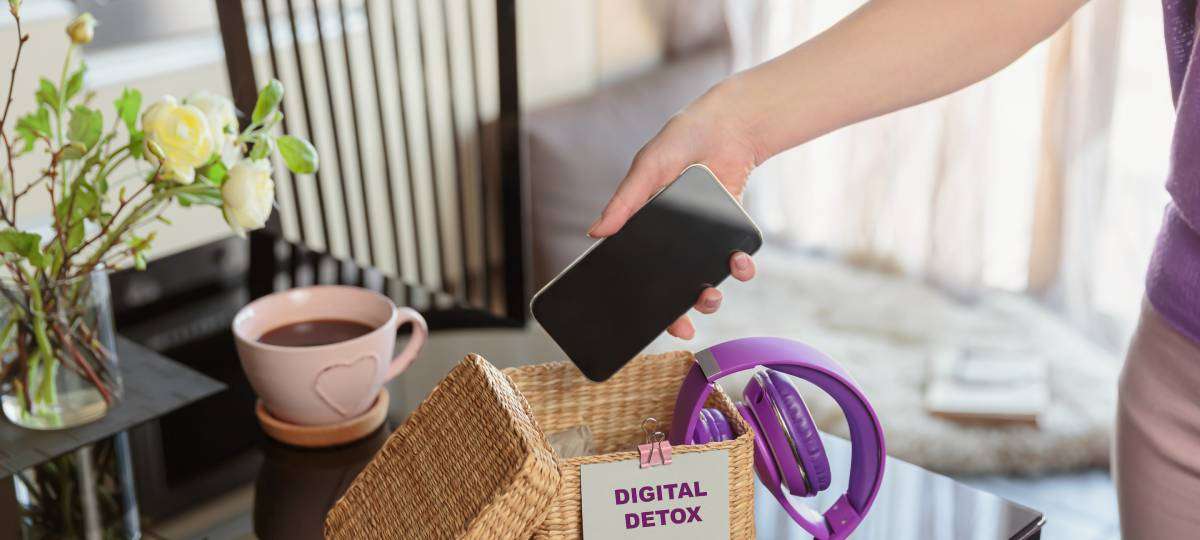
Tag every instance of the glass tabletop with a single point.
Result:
(913, 503)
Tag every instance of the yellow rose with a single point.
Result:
(182, 135)
(248, 193)
(219, 111)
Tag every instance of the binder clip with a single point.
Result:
(656, 450)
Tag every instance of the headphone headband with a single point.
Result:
(799, 360)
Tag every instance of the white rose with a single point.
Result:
(249, 193)
(182, 135)
(220, 114)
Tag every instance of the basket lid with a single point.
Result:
(469, 462)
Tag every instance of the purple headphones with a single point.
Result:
(788, 450)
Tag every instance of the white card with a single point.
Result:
(688, 497)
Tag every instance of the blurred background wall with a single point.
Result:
(567, 49)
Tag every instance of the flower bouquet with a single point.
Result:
(107, 180)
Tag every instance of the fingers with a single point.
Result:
(709, 301)
(682, 328)
(645, 178)
(741, 266)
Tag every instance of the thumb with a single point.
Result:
(642, 182)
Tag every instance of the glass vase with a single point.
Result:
(87, 493)
(58, 348)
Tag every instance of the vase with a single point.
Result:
(86, 494)
(58, 348)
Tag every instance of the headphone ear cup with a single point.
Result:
(721, 427)
(764, 464)
(703, 433)
(800, 424)
(711, 426)
(760, 401)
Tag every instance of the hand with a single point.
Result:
(708, 131)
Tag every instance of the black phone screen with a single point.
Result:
(626, 289)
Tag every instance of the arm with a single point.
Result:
(887, 55)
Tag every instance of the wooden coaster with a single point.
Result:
(327, 435)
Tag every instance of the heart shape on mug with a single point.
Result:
(341, 379)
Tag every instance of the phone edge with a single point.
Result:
(713, 176)
(757, 231)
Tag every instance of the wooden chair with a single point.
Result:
(415, 116)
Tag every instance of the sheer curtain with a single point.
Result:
(1046, 178)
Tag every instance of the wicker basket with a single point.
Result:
(468, 463)
(472, 460)
(561, 397)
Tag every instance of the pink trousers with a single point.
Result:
(1157, 448)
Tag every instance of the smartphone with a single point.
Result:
(626, 289)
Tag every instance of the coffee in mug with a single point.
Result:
(314, 333)
(319, 355)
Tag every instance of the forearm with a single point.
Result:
(887, 55)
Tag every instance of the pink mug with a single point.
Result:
(324, 384)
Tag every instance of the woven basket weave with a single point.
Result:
(469, 463)
(561, 398)
(472, 460)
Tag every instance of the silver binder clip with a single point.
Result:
(656, 450)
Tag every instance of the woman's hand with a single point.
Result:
(708, 131)
(883, 57)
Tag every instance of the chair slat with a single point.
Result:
(452, 236)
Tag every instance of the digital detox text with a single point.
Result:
(676, 515)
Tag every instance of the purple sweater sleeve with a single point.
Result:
(1173, 280)
(1179, 17)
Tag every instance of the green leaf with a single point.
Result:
(84, 201)
(73, 151)
(128, 107)
(298, 154)
(137, 248)
(262, 147)
(215, 173)
(33, 126)
(75, 235)
(47, 94)
(137, 144)
(207, 195)
(215, 157)
(24, 244)
(86, 126)
(268, 101)
(87, 203)
(74, 83)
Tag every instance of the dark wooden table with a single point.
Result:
(295, 487)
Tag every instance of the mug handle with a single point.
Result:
(420, 331)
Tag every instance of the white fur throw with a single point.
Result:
(883, 329)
